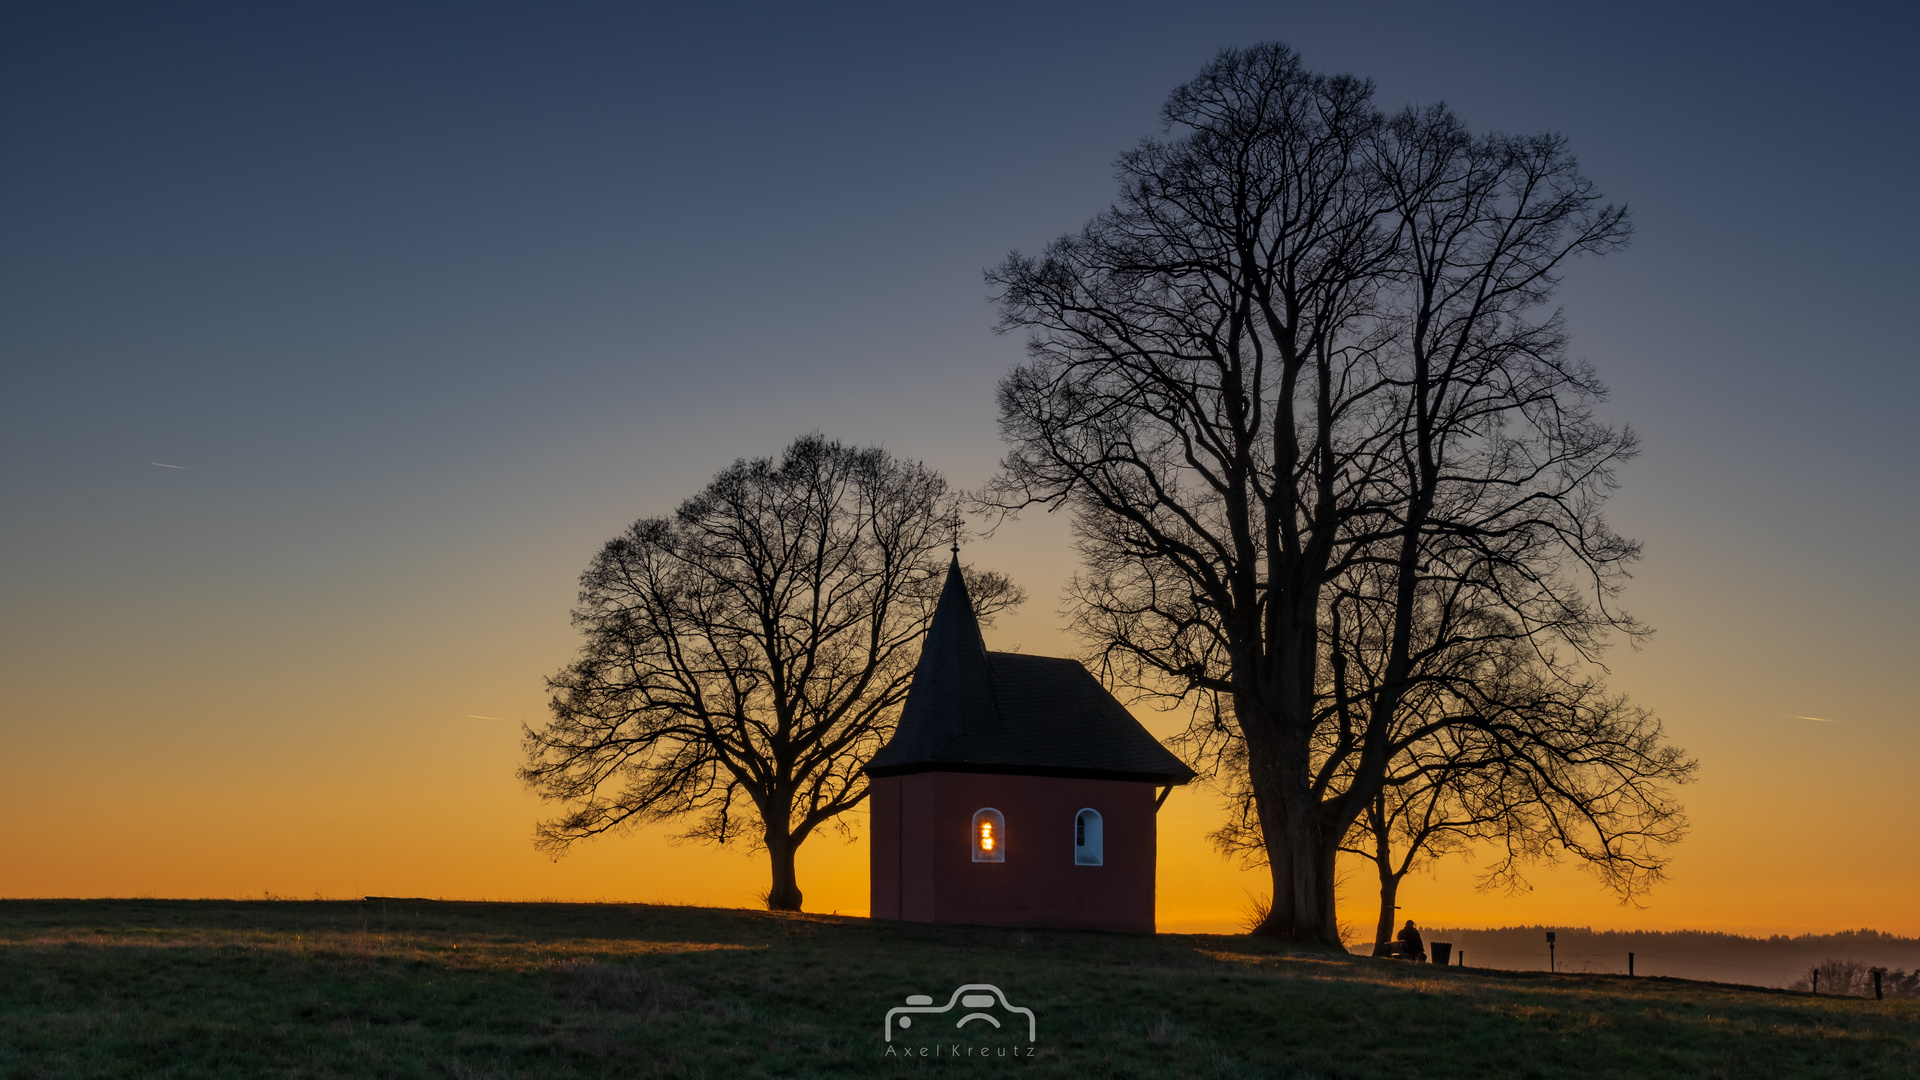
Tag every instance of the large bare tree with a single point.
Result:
(745, 656)
(1303, 373)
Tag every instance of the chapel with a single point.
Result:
(1016, 792)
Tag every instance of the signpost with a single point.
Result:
(1550, 964)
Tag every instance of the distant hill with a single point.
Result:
(1689, 954)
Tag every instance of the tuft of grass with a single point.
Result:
(428, 989)
(1255, 912)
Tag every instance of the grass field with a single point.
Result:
(414, 988)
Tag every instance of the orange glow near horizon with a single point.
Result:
(187, 850)
(377, 775)
(430, 842)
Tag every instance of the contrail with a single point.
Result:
(164, 465)
(471, 716)
(1821, 719)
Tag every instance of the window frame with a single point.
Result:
(998, 854)
(1084, 853)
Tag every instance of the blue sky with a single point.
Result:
(429, 300)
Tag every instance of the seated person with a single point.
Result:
(1411, 946)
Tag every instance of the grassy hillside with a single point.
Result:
(405, 989)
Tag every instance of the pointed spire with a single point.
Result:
(954, 614)
(953, 684)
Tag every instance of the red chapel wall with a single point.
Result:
(922, 853)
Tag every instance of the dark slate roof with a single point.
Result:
(970, 710)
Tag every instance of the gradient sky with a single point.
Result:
(428, 302)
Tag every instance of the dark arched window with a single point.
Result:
(989, 835)
(1087, 850)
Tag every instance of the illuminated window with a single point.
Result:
(989, 836)
(1086, 838)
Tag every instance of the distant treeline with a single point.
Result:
(1699, 954)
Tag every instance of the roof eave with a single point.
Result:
(1059, 772)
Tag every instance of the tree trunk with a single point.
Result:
(1389, 892)
(1293, 828)
(784, 895)
(1301, 860)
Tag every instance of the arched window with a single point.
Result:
(1086, 838)
(989, 836)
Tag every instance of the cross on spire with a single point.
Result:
(956, 523)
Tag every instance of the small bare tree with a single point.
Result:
(745, 656)
(1496, 754)
(1499, 755)
(1419, 816)
(1595, 791)
(1838, 977)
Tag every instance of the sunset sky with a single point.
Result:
(337, 338)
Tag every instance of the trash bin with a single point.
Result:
(1442, 952)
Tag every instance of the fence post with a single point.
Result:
(1816, 980)
(1876, 984)
(1629, 965)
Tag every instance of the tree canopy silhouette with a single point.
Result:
(743, 657)
(1301, 389)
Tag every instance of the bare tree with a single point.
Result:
(1839, 977)
(1501, 755)
(1419, 819)
(1302, 376)
(745, 656)
(1569, 774)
